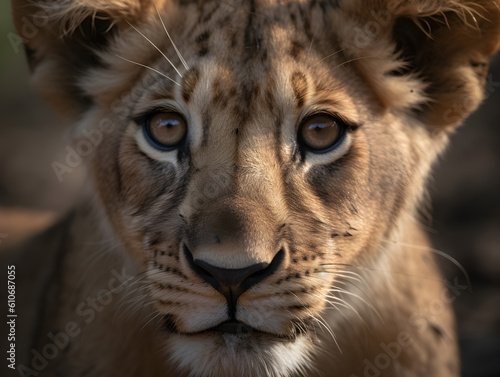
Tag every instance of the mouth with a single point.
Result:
(232, 327)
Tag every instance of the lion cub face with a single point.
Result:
(259, 157)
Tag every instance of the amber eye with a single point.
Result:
(320, 133)
(165, 130)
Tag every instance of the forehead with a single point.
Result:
(243, 47)
(243, 32)
(240, 56)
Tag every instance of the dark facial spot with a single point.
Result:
(264, 56)
(219, 96)
(189, 82)
(307, 27)
(155, 239)
(224, 21)
(168, 323)
(202, 41)
(203, 37)
(250, 30)
(209, 15)
(436, 329)
(234, 40)
(207, 121)
(202, 51)
(269, 97)
(296, 49)
(249, 91)
(299, 86)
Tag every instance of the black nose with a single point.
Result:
(233, 282)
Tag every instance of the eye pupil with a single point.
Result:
(321, 132)
(165, 130)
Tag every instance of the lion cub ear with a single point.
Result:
(426, 57)
(63, 38)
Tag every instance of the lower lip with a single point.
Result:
(229, 327)
(234, 327)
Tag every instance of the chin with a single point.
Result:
(219, 354)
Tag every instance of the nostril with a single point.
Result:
(229, 278)
(233, 282)
(260, 275)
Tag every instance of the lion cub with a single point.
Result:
(254, 173)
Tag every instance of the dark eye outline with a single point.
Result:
(144, 121)
(343, 125)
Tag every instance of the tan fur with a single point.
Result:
(357, 287)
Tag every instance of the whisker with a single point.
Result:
(342, 312)
(346, 305)
(102, 242)
(171, 41)
(437, 252)
(327, 328)
(311, 44)
(321, 322)
(131, 308)
(145, 66)
(93, 259)
(343, 291)
(160, 51)
(388, 272)
(332, 54)
(351, 60)
(152, 319)
(302, 322)
(349, 275)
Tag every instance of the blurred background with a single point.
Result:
(465, 194)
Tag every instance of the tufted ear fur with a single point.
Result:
(428, 57)
(62, 39)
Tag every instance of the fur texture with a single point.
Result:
(356, 291)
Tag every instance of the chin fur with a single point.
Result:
(227, 355)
